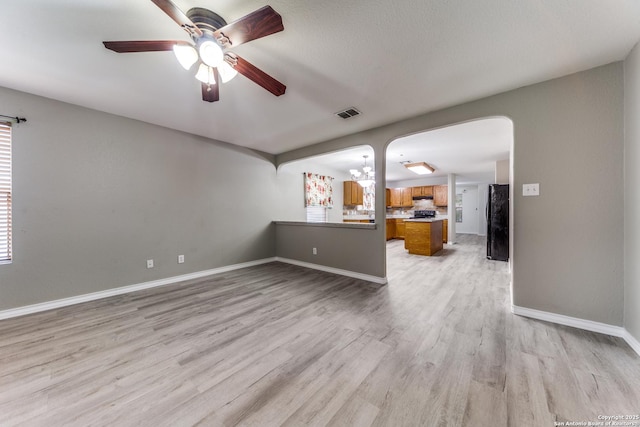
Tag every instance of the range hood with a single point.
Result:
(422, 198)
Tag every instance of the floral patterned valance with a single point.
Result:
(369, 198)
(318, 190)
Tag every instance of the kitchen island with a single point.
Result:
(423, 236)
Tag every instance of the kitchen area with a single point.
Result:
(417, 215)
(431, 179)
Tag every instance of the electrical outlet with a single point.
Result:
(149, 263)
(180, 259)
(530, 189)
(315, 251)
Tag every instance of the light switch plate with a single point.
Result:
(530, 189)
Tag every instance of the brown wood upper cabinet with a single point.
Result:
(400, 197)
(352, 194)
(440, 195)
(407, 201)
(395, 197)
(425, 190)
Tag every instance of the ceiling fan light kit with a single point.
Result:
(212, 37)
(226, 72)
(186, 55)
(205, 75)
(211, 53)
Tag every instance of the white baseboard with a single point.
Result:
(348, 273)
(632, 341)
(36, 308)
(587, 325)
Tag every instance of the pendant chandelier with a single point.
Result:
(364, 178)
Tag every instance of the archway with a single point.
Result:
(466, 157)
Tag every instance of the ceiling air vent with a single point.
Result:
(348, 113)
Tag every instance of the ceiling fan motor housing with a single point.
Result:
(207, 21)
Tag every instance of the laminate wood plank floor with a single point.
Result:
(277, 344)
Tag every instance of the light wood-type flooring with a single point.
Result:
(278, 344)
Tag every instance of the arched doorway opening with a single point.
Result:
(466, 159)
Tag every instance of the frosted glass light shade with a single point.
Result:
(226, 72)
(205, 75)
(420, 168)
(211, 53)
(366, 182)
(186, 55)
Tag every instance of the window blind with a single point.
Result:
(316, 214)
(5, 192)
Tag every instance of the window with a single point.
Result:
(318, 196)
(459, 207)
(5, 192)
(316, 214)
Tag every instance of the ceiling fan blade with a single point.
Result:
(255, 74)
(143, 45)
(211, 93)
(260, 23)
(179, 16)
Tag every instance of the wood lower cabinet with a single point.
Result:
(395, 228)
(391, 228)
(423, 238)
(353, 194)
(400, 228)
(445, 230)
(440, 195)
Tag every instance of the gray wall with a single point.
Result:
(290, 180)
(345, 248)
(632, 193)
(483, 189)
(568, 136)
(502, 172)
(95, 195)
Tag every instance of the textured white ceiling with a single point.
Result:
(469, 150)
(391, 60)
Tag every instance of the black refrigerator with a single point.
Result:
(498, 222)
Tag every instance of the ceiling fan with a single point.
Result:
(212, 38)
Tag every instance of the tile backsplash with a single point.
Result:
(428, 204)
(425, 204)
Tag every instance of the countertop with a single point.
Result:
(423, 220)
(361, 217)
(367, 226)
(404, 216)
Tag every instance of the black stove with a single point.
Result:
(423, 214)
